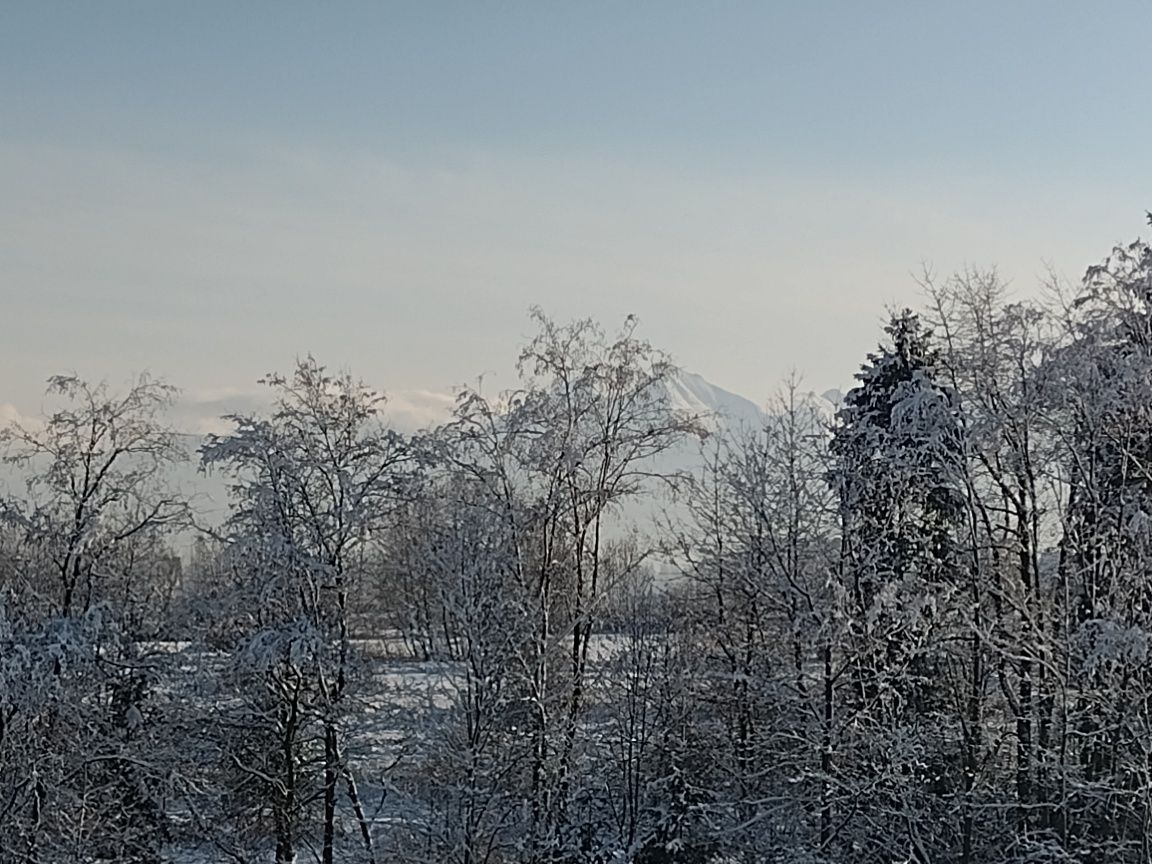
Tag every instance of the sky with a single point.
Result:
(209, 190)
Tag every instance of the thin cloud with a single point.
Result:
(412, 410)
(204, 412)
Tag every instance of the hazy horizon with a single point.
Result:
(208, 191)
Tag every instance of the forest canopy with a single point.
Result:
(915, 631)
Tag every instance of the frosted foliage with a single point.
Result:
(612, 615)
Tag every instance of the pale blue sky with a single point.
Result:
(208, 189)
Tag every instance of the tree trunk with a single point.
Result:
(331, 774)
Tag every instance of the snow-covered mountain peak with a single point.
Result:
(833, 397)
(693, 394)
(722, 408)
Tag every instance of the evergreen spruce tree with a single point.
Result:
(897, 451)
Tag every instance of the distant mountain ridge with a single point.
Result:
(687, 391)
(692, 393)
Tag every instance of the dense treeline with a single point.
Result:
(915, 632)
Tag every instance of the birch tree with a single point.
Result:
(312, 483)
